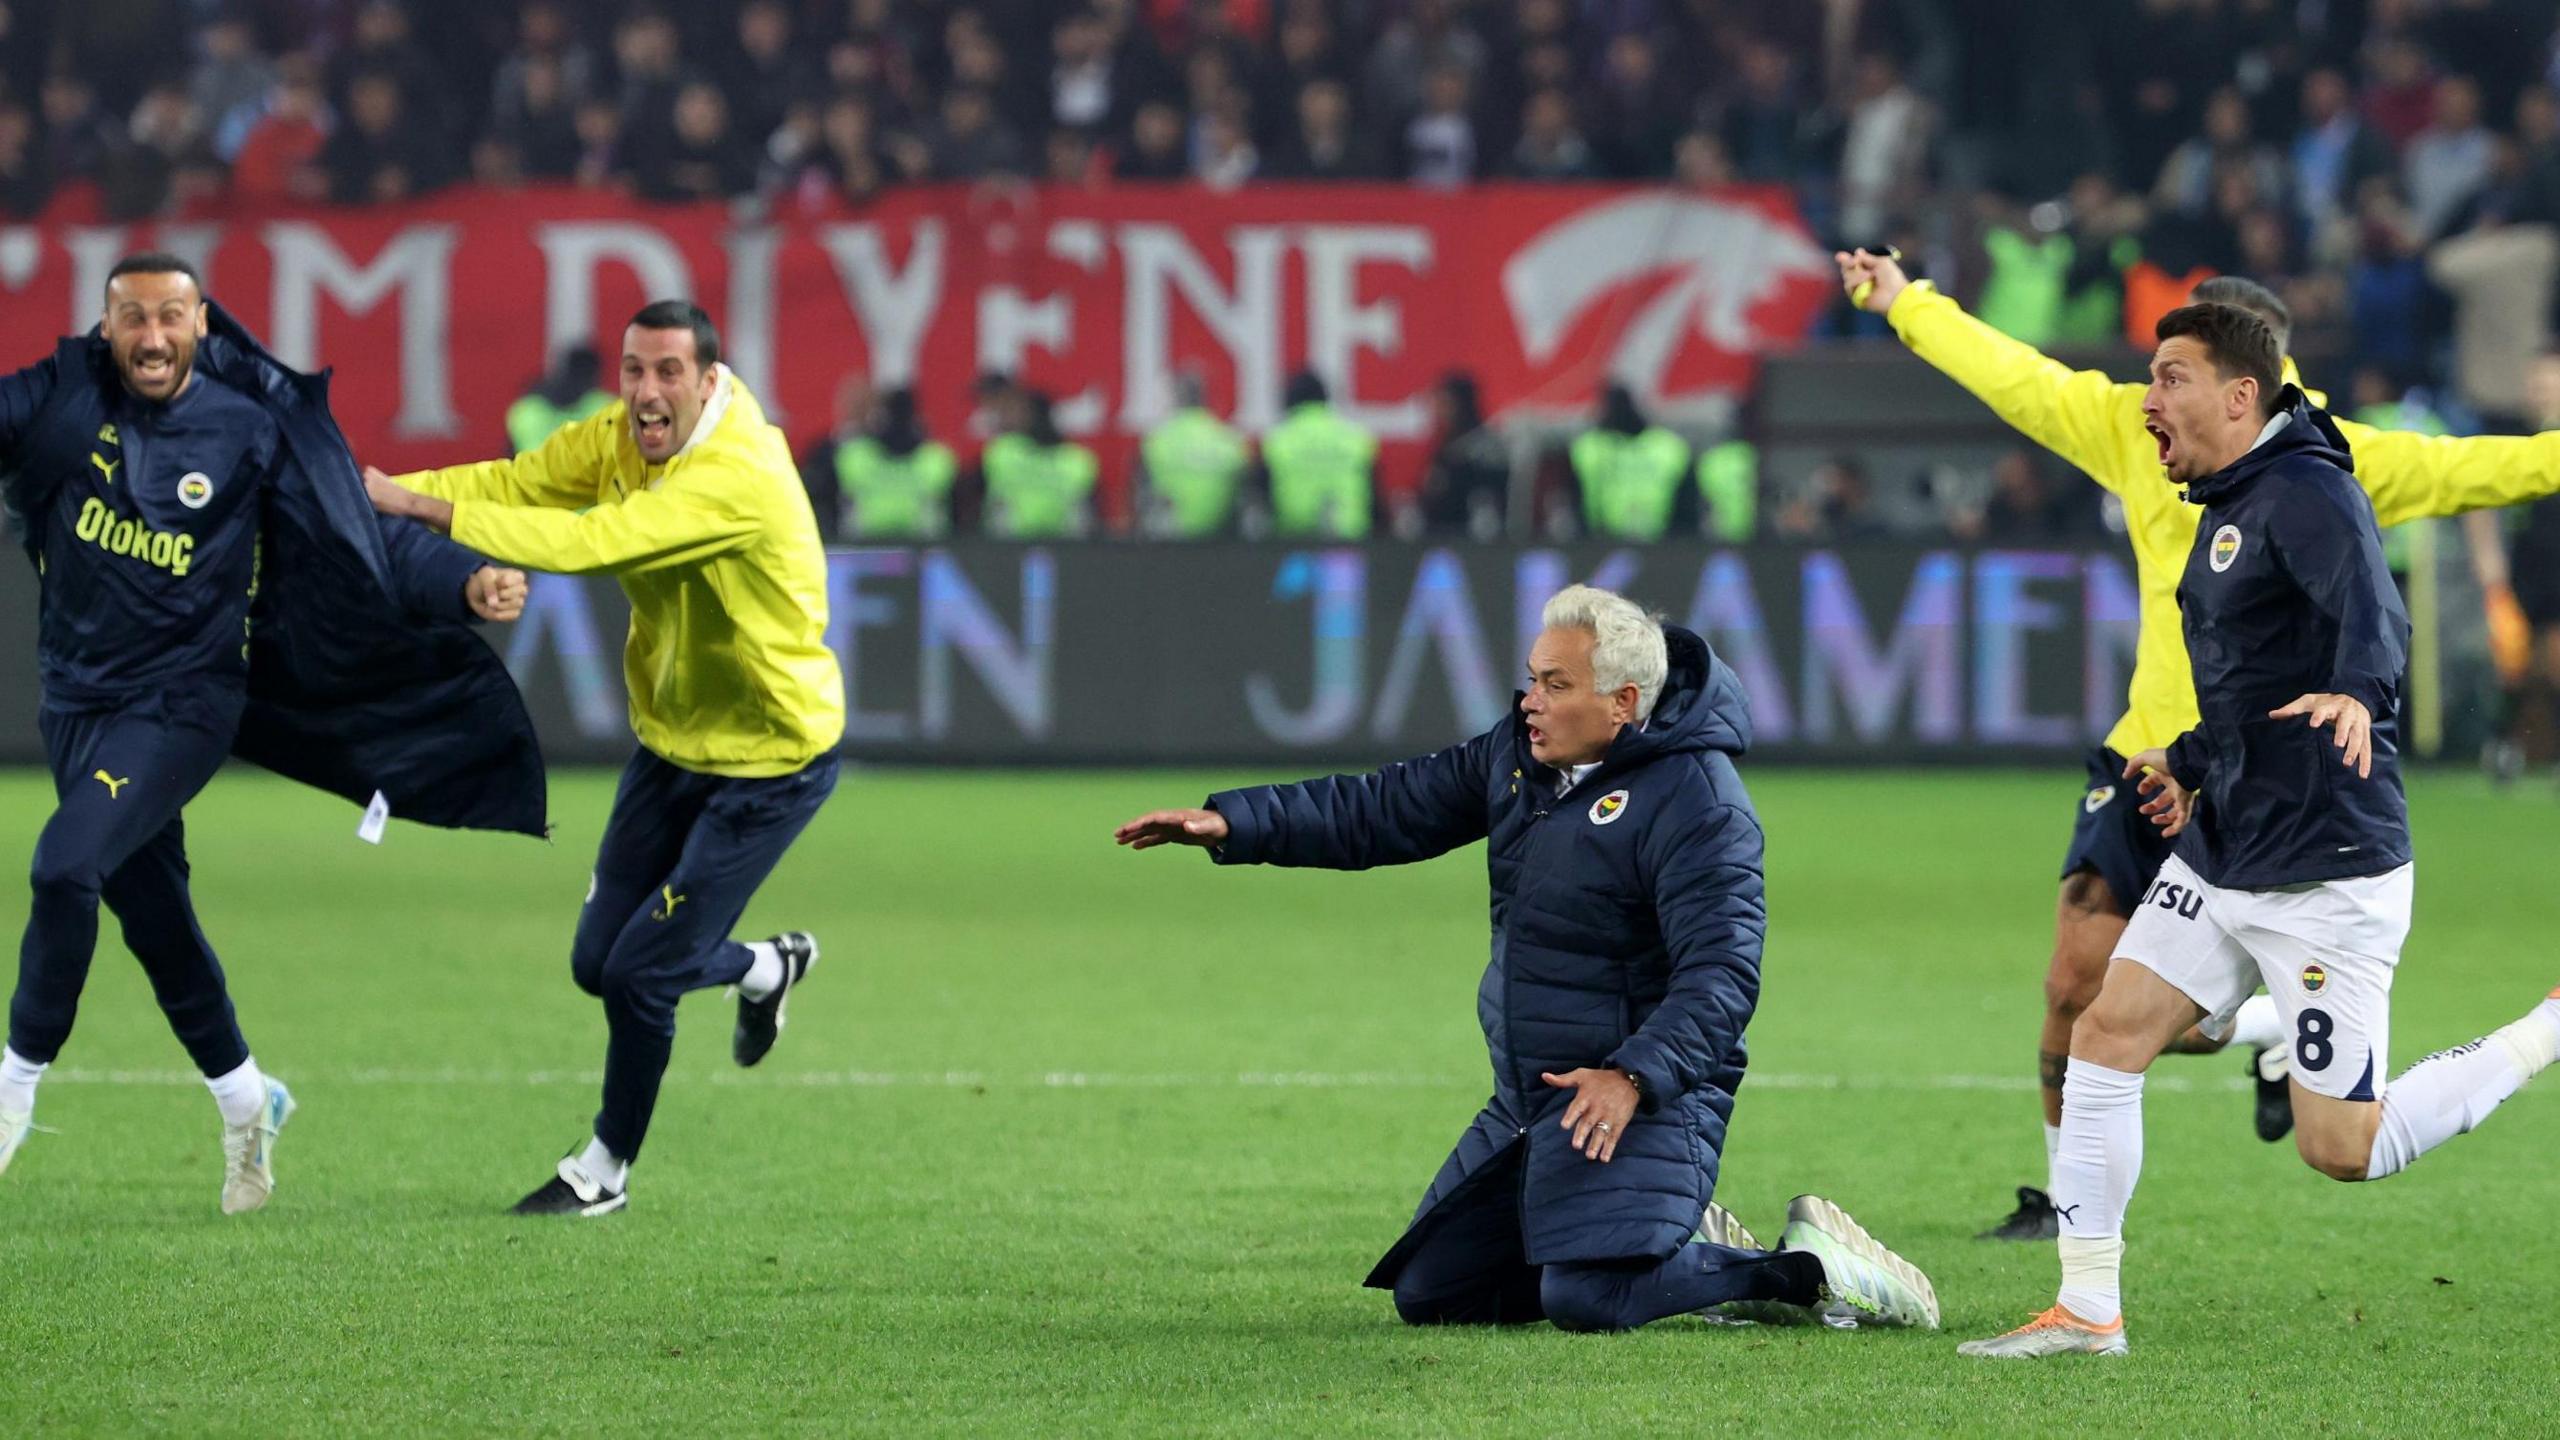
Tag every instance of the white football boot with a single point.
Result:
(248, 1152)
(2055, 1332)
(1863, 1283)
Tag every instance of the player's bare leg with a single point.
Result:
(2444, 1095)
(2134, 1018)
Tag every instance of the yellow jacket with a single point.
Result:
(727, 664)
(2096, 423)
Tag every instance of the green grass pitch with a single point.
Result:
(1063, 1140)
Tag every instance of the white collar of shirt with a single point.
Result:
(2281, 420)
(1574, 776)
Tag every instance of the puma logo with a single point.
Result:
(673, 900)
(2065, 1212)
(112, 783)
(105, 466)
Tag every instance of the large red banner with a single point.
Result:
(437, 314)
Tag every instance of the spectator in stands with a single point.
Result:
(603, 153)
(2333, 153)
(893, 480)
(850, 161)
(2501, 279)
(279, 160)
(1833, 505)
(537, 119)
(1039, 483)
(1763, 125)
(1636, 111)
(1701, 162)
(377, 156)
(544, 39)
(2186, 181)
(970, 141)
(231, 83)
(1309, 52)
(765, 72)
(1430, 35)
(1317, 468)
(2026, 507)
(1191, 468)
(1440, 141)
(1632, 475)
(1223, 157)
(169, 163)
(78, 138)
(705, 161)
(1466, 489)
(2387, 291)
(1086, 91)
(648, 60)
(24, 184)
(1884, 149)
(2448, 162)
(1324, 145)
(1068, 157)
(1157, 149)
(1551, 147)
(386, 43)
(2400, 90)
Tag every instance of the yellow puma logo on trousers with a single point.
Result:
(673, 900)
(112, 783)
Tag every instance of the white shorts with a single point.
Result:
(2325, 951)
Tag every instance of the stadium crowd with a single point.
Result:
(2390, 167)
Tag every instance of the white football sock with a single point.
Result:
(2257, 1022)
(602, 1166)
(240, 1094)
(764, 973)
(18, 1077)
(2052, 1145)
(2452, 1091)
(2094, 1170)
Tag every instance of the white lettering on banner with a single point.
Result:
(1010, 324)
(1246, 322)
(572, 253)
(1726, 259)
(1339, 327)
(852, 610)
(1440, 615)
(418, 263)
(746, 331)
(894, 307)
(21, 250)
(956, 617)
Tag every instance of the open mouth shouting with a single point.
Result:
(154, 371)
(654, 428)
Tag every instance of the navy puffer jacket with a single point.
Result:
(1627, 924)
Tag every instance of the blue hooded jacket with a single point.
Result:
(364, 673)
(2286, 594)
(1627, 923)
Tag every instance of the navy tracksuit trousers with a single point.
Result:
(1473, 1270)
(681, 857)
(121, 776)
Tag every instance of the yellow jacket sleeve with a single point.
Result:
(2081, 415)
(2411, 476)
(564, 472)
(676, 524)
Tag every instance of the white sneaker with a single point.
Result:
(248, 1153)
(1863, 1283)
(1719, 1227)
(2055, 1332)
(13, 1133)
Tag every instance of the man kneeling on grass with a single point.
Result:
(1627, 923)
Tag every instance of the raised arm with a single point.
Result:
(2083, 416)
(1708, 899)
(564, 472)
(2412, 476)
(1411, 810)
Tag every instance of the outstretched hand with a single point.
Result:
(2354, 726)
(2171, 804)
(1204, 828)
(1872, 280)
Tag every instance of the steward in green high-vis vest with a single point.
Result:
(1729, 482)
(1039, 483)
(1194, 464)
(566, 395)
(1319, 465)
(1634, 476)
(895, 482)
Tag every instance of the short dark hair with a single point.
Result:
(2238, 343)
(683, 315)
(2253, 297)
(155, 262)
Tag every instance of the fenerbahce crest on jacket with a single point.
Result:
(364, 674)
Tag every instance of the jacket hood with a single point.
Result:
(2311, 432)
(1701, 707)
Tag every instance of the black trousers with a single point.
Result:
(120, 778)
(681, 857)
(1473, 1270)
